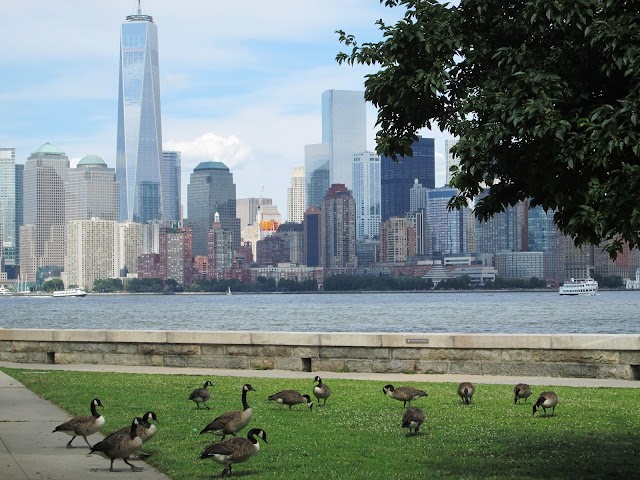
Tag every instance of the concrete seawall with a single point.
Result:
(580, 356)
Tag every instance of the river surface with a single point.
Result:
(430, 312)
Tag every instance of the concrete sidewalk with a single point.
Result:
(29, 451)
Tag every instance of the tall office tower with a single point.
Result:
(176, 255)
(504, 232)
(418, 220)
(366, 193)
(92, 252)
(447, 229)
(397, 178)
(19, 205)
(139, 143)
(247, 209)
(45, 175)
(210, 190)
(219, 248)
(338, 229)
(311, 227)
(92, 191)
(544, 236)
(296, 196)
(8, 241)
(450, 160)
(417, 197)
(172, 191)
(397, 240)
(28, 259)
(130, 238)
(344, 129)
(293, 233)
(151, 235)
(316, 171)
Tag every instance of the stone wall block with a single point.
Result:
(576, 356)
(174, 361)
(211, 361)
(13, 357)
(37, 357)
(478, 355)
(132, 359)
(241, 350)
(305, 352)
(127, 348)
(434, 354)
(465, 368)
(620, 372)
(363, 366)
(272, 351)
(405, 353)
(79, 357)
(394, 366)
(212, 350)
(6, 346)
(328, 365)
(355, 352)
(579, 370)
(433, 367)
(630, 358)
(262, 363)
(516, 356)
(168, 349)
(288, 363)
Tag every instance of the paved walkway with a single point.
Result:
(29, 451)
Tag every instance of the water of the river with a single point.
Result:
(433, 312)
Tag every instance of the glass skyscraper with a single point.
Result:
(8, 205)
(171, 168)
(139, 145)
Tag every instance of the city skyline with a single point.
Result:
(244, 92)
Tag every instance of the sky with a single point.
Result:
(240, 83)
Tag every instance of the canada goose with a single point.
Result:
(146, 429)
(291, 398)
(234, 450)
(403, 394)
(84, 425)
(201, 395)
(120, 445)
(546, 400)
(413, 417)
(521, 390)
(321, 390)
(230, 423)
(466, 391)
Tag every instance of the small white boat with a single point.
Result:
(5, 292)
(70, 292)
(588, 286)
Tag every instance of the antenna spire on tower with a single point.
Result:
(139, 9)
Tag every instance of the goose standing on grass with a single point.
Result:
(520, 391)
(403, 394)
(412, 418)
(546, 400)
(145, 431)
(230, 423)
(321, 391)
(291, 398)
(234, 450)
(201, 395)
(84, 425)
(466, 391)
(120, 445)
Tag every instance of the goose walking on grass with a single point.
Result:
(291, 398)
(230, 423)
(520, 391)
(403, 394)
(146, 430)
(234, 450)
(321, 391)
(84, 425)
(466, 391)
(546, 400)
(412, 418)
(120, 445)
(201, 395)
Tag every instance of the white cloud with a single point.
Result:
(210, 147)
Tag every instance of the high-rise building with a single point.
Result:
(176, 255)
(172, 191)
(399, 177)
(397, 240)
(446, 229)
(219, 248)
(8, 242)
(366, 193)
(338, 229)
(139, 144)
(293, 233)
(316, 170)
(130, 238)
(210, 190)
(504, 232)
(344, 129)
(311, 226)
(19, 205)
(417, 197)
(247, 209)
(45, 175)
(449, 158)
(92, 191)
(92, 252)
(296, 196)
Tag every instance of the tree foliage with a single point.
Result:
(53, 285)
(544, 97)
(107, 285)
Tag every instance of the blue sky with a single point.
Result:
(240, 83)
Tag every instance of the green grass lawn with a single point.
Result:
(594, 435)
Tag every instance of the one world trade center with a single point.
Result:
(139, 146)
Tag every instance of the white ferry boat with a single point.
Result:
(588, 286)
(5, 292)
(70, 292)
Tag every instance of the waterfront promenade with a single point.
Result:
(29, 451)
